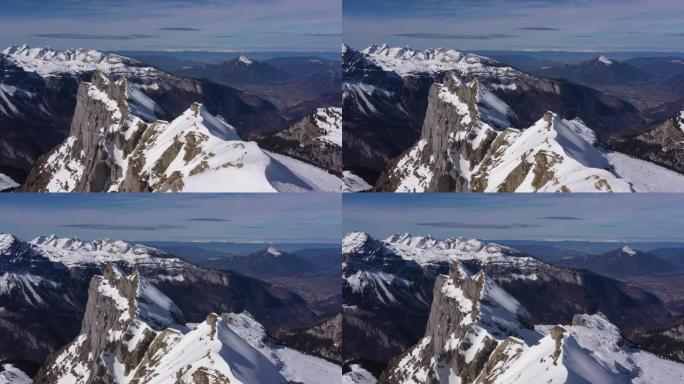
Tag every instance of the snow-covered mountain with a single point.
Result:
(6, 182)
(132, 333)
(479, 333)
(9, 374)
(468, 118)
(662, 144)
(316, 139)
(44, 289)
(115, 145)
(96, 113)
(354, 183)
(468, 144)
(47, 62)
(407, 62)
(388, 290)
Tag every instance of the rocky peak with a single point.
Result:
(627, 250)
(355, 242)
(122, 317)
(469, 318)
(6, 242)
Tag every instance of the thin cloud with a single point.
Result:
(214, 219)
(566, 218)
(322, 34)
(454, 36)
(539, 29)
(183, 29)
(476, 226)
(678, 34)
(89, 36)
(123, 227)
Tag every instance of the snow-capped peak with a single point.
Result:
(273, 251)
(245, 60)
(48, 62)
(354, 242)
(681, 121)
(6, 241)
(197, 118)
(626, 249)
(604, 60)
(430, 243)
(74, 252)
(406, 61)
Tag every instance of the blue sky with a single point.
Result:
(600, 25)
(588, 217)
(175, 217)
(247, 25)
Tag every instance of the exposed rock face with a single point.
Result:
(40, 94)
(115, 145)
(44, 289)
(121, 319)
(35, 114)
(383, 85)
(133, 333)
(386, 300)
(387, 290)
(323, 339)
(469, 317)
(42, 302)
(663, 144)
(382, 113)
(468, 144)
(478, 333)
(316, 139)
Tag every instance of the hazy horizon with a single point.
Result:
(289, 25)
(614, 218)
(244, 218)
(574, 25)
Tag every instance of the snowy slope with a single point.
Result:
(9, 374)
(354, 183)
(571, 163)
(358, 375)
(645, 176)
(6, 182)
(330, 121)
(294, 365)
(211, 350)
(590, 350)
